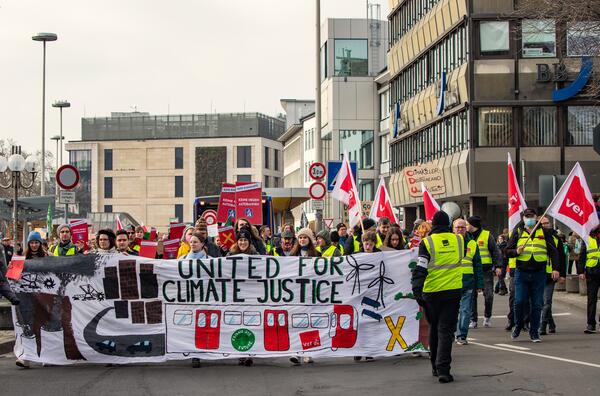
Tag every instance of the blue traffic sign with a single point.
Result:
(333, 167)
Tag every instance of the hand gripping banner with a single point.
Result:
(124, 309)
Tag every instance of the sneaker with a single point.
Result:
(590, 329)
(195, 363)
(445, 378)
(473, 325)
(369, 359)
(295, 360)
(22, 363)
(552, 330)
(434, 372)
(535, 338)
(308, 359)
(515, 334)
(509, 326)
(487, 322)
(462, 341)
(503, 292)
(543, 332)
(357, 358)
(248, 362)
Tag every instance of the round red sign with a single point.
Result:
(67, 177)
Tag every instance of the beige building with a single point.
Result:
(157, 171)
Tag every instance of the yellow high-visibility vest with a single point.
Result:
(468, 258)
(535, 247)
(55, 251)
(445, 268)
(484, 250)
(593, 253)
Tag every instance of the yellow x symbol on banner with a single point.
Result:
(227, 238)
(395, 330)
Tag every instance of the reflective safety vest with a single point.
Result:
(356, 244)
(512, 262)
(484, 251)
(379, 241)
(55, 251)
(445, 267)
(536, 247)
(268, 247)
(593, 253)
(328, 252)
(468, 259)
(549, 262)
(136, 248)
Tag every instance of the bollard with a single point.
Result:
(582, 287)
(572, 284)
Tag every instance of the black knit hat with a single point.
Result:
(335, 237)
(340, 225)
(475, 221)
(440, 218)
(244, 233)
(368, 223)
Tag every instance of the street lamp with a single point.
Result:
(61, 104)
(44, 37)
(17, 164)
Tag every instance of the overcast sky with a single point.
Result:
(173, 56)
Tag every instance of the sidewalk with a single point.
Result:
(7, 341)
(572, 299)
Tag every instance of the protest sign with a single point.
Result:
(15, 267)
(148, 249)
(248, 198)
(226, 203)
(123, 309)
(170, 249)
(79, 230)
(176, 230)
(227, 236)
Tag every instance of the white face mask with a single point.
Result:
(529, 221)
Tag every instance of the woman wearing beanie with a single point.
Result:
(105, 241)
(256, 240)
(184, 243)
(325, 247)
(34, 246)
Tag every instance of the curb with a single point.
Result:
(6, 346)
(573, 304)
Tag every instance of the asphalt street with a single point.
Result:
(566, 363)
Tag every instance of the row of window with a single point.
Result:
(359, 145)
(539, 38)
(411, 12)
(275, 184)
(447, 55)
(539, 126)
(268, 158)
(443, 138)
(108, 187)
(178, 211)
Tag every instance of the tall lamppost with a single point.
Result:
(61, 104)
(17, 164)
(44, 37)
(57, 138)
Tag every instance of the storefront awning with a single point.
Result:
(285, 199)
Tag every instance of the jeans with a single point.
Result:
(442, 314)
(464, 313)
(547, 319)
(529, 286)
(501, 284)
(593, 283)
(488, 296)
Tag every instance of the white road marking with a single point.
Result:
(504, 316)
(513, 347)
(539, 355)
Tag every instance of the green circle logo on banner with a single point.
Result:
(243, 340)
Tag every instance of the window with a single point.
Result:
(319, 320)
(366, 190)
(201, 320)
(345, 321)
(359, 146)
(276, 182)
(582, 120)
(244, 156)
(276, 159)
(182, 317)
(266, 181)
(244, 178)
(494, 37)
(179, 212)
(233, 318)
(108, 159)
(178, 157)
(384, 105)
(266, 158)
(251, 318)
(351, 57)
(178, 186)
(324, 61)
(384, 148)
(300, 320)
(495, 126)
(108, 209)
(108, 187)
(539, 38)
(583, 38)
(539, 126)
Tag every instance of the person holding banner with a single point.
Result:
(265, 235)
(5, 289)
(324, 246)
(198, 249)
(533, 248)
(122, 242)
(256, 241)
(437, 286)
(287, 244)
(105, 240)
(64, 247)
(394, 240)
(383, 226)
(589, 270)
(305, 244)
(184, 243)
(353, 243)
(34, 247)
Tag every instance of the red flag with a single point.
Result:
(148, 249)
(574, 205)
(345, 191)
(516, 202)
(226, 236)
(144, 227)
(382, 206)
(431, 206)
(15, 267)
(119, 224)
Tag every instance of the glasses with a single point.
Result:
(460, 227)
(130, 233)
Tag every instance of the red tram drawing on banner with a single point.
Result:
(276, 327)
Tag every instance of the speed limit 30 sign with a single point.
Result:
(317, 171)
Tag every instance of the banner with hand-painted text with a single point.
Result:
(123, 309)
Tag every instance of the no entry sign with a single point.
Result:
(317, 190)
(67, 177)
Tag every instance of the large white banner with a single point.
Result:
(123, 309)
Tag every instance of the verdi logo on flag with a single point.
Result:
(575, 204)
(248, 199)
(226, 207)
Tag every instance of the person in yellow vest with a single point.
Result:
(324, 246)
(383, 227)
(265, 235)
(354, 242)
(547, 324)
(490, 262)
(65, 246)
(437, 286)
(184, 243)
(336, 241)
(532, 247)
(472, 280)
(286, 244)
(589, 270)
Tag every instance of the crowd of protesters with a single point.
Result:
(525, 271)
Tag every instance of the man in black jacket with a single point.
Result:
(533, 247)
(354, 243)
(588, 268)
